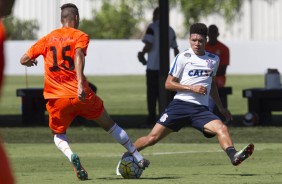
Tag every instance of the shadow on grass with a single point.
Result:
(145, 178)
(126, 121)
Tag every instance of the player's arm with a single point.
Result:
(172, 83)
(176, 51)
(147, 47)
(215, 96)
(221, 71)
(79, 67)
(27, 61)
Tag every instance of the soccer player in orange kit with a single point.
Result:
(6, 174)
(67, 90)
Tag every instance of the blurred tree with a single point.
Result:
(193, 10)
(17, 29)
(115, 20)
(119, 19)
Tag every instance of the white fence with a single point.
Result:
(259, 19)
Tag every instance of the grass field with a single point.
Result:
(184, 157)
(181, 158)
(170, 163)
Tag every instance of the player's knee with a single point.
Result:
(222, 129)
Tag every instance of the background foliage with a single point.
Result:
(124, 19)
(17, 29)
(112, 21)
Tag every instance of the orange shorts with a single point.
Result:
(62, 111)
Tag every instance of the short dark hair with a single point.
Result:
(156, 14)
(199, 28)
(69, 5)
(69, 11)
(156, 11)
(213, 29)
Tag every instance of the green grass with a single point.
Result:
(82, 134)
(170, 163)
(181, 158)
(184, 157)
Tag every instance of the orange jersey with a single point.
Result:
(221, 50)
(2, 57)
(6, 175)
(58, 49)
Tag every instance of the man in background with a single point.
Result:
(151, 41)
(222, 51)
(6, 174)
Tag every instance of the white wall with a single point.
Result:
(118, 57)
(259, 19)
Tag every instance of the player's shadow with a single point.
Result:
(246, 174)
(142, 178)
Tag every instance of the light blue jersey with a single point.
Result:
(192, 69)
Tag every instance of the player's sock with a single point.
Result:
(63, 145)
(231, 151)
(121, 136)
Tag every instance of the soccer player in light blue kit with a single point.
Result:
(192, 76)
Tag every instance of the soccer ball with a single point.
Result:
(129, 168)
(250, 119)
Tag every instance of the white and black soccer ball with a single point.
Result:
(250, 119)
(129, 168)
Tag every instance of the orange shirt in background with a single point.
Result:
(58, 49)
(6, 175)
(2, 57)
(222, 51)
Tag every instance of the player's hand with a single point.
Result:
(226, 113)
(141, 58)
(31, 62)
(81, 93)
(199, 89)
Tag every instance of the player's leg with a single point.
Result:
(157, 133)
(121, 137)
(59, 121)
(62, 144)
(172, 120)
(152, 95)
(218, 128)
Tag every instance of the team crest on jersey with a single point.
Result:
(211, 55)
(210, 63)
(163, 118)
(188, 55)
